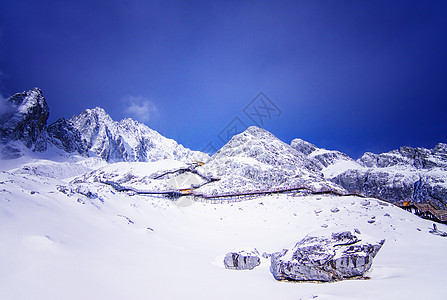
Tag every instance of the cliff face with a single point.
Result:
(25, 117)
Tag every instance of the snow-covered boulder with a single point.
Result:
(322, 258)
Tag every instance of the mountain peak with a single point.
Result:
(258, 132)
(127, 140)
(26, 117)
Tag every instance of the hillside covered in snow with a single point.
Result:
(73, 224)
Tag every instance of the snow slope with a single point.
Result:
(59, 244)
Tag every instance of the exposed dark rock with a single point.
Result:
(26, 117)
(340, 256)
(436, 231)
(241, 260)
(302, 146)
(64, 136)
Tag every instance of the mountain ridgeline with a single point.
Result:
(252, 160)
(92, 133)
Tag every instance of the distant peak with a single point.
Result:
(36, 90)
(257, 131)
(97, 110)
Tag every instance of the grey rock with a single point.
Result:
(302, 146)
(266, 255)
(419, 158)
(365, 203)
(340, 256)
(63, 135)
(241, 260)
(25, 117)
(396, 184)
(412, 174)
(436, 231)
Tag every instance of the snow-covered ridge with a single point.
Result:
(92, 133)
(257, 160)
(408, 174)
(252, 160)
(127, 140)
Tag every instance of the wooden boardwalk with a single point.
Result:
(225, 197)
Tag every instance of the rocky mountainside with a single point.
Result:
(92, 133)
(411, 174)
(257, 160)
(127, 140)
(252, 160)
(25, 116)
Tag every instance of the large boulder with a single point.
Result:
(241, 260)
(322, 258)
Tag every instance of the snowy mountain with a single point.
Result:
(255, 160)
(407, 174)
(93, 132)
(127, 140)
(75, 226)
(23, 119)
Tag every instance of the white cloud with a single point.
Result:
(140, 108)
(4, 106)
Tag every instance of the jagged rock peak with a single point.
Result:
(25, 117)
(127, 140)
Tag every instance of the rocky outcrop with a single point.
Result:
(241, 260)
(340, 256)
(25, 117)
(419, 158)
(302, 146)
(62, 135)
(407, 174)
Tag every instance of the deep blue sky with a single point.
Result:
(349, 75)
